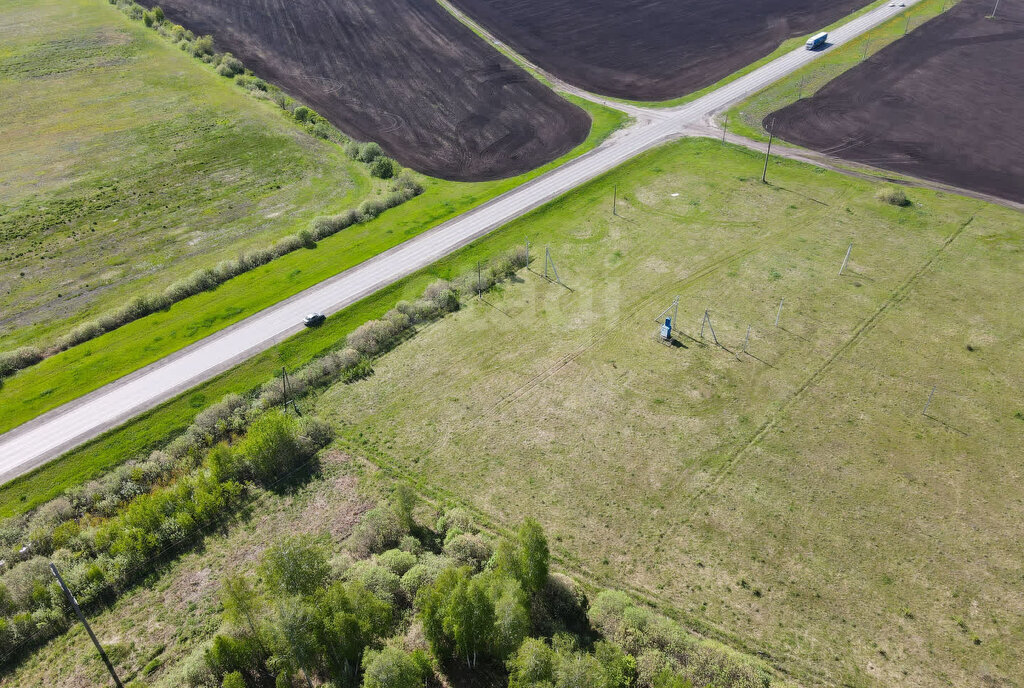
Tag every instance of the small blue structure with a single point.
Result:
(666, 329)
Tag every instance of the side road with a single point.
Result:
(53, 433)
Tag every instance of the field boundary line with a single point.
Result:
(898, 296)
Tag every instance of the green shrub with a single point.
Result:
(532, 665)
(232, 64)
(13, 361)
(468, 549)
(251, 83)
(380, 529)
(147, 19)
(294, 566)
(443, 295)
(454, 521)
(368, 152)
(893, 196)
(383, 167)
(362, 369)
(323, 130)
(425, 572)
(158, 14)
(302, 113)
(371, 208)
(202, 46)
(233, 680)
(397, 561)
(373, 336)
(379, 580)
(392, 667)
(271, 447)
(324, 227)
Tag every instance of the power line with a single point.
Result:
(88, 629)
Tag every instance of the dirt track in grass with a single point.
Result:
(942, 103)
(403, 73)
(650, 49)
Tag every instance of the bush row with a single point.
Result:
(207, 279)
(11, 361)
(101, 556)
(404, 187)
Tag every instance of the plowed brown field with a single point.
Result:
(943, 103)
(650, 49)
(403, 73)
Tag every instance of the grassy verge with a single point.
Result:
(84, 368)
(746, 118)
(89, 366)
(127, 164)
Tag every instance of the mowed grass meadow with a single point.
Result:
(175, 168)
(125, 164)
(793, 500)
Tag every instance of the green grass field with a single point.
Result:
(126, 164)
(793, 500)
(86, 367)
(746, 119)
(77, 371)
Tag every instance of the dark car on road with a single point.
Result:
(314, 319)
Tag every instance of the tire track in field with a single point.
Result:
(898, 296)
(630, 312)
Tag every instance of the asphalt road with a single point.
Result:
(65, 427)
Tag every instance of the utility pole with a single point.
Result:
(287, 391)
(527, 254)
(906, 27)
(725, 127)
(707, 319)
(929, 402)
(993, 16)
(615, 198)
(284, 386)
(779, 314)
(88, 629)
(767, 153)
(549, 260)
(479, 283)
(845, 260)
